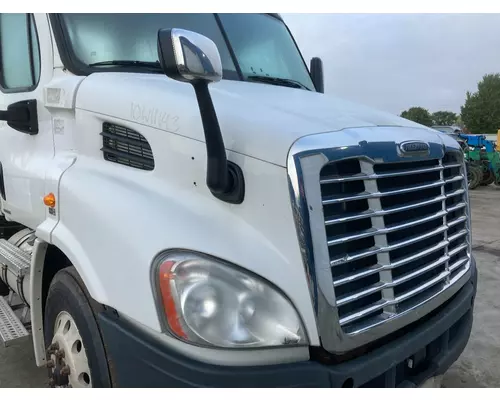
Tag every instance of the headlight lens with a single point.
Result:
(209, 302)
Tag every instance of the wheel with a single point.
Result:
(474, 175)
(75, 353)
(488, 177)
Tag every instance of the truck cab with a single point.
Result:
(186, 207)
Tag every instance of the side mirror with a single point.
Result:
(193, 58)
(188, 56)
(317, 74)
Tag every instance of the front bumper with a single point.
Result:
(137, 360)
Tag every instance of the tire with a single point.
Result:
(488, 178)
(474, 176)
(68, 298)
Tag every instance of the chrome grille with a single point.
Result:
(396, 233)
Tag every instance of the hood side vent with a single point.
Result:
(127, 147)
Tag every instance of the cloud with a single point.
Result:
(395, 61)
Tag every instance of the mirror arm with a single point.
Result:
(15, 115)
(218, 179)
(224, 178)
(22, 116)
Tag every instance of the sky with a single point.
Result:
(395, 61)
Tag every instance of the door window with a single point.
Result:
(19, 53)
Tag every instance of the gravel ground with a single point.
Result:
(479, 365)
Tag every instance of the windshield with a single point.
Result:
(444, 129)
(250, 45)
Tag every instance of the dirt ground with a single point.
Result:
(479, 365)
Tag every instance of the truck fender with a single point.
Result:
(36, 311)
(78, 260)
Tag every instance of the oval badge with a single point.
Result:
(414, 147)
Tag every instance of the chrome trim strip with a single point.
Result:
(378, 268)
(423, 253)
(456, 207)
(458, 235)
(458, 264)
(446, 166)
(398, 320)
(306, 158)
(383, 194)
(454, 179)
(457, 221)
(382, 285)
(456, 192)
(428, 267)
(387, 248)
(382, 175)
(385, 231)
(366, 311)
(458, 249)
(393, 210)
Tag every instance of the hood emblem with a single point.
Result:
(413, 147)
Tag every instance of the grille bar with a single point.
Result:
(378, 286)
(456, 207)
(387, 248)
(447, 166)
(378, 268)
(455, 193)
(458, 264)
(360, 275)
(421, 271)
(457, 221)
(384, 231)
(424, 253)
(382, 194)
(375, 288)
(396, 234)
(384, 303)
(464, 246)
(458, 235)
(454, 179)
(423, 287)
(393, 210)
(377, 176)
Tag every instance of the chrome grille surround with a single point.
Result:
(308, 156)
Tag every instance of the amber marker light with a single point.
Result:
(49, 200)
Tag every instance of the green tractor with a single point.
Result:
(483, 161)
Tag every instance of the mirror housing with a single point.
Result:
(317, 74)
(187, 56)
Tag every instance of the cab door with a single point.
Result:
(26, 140)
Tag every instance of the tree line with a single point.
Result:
(479, 114)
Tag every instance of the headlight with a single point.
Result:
(209, 302)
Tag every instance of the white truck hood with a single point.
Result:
(258, 120)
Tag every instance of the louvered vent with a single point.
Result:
(127, 147)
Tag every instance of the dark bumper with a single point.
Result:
(137, 360)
